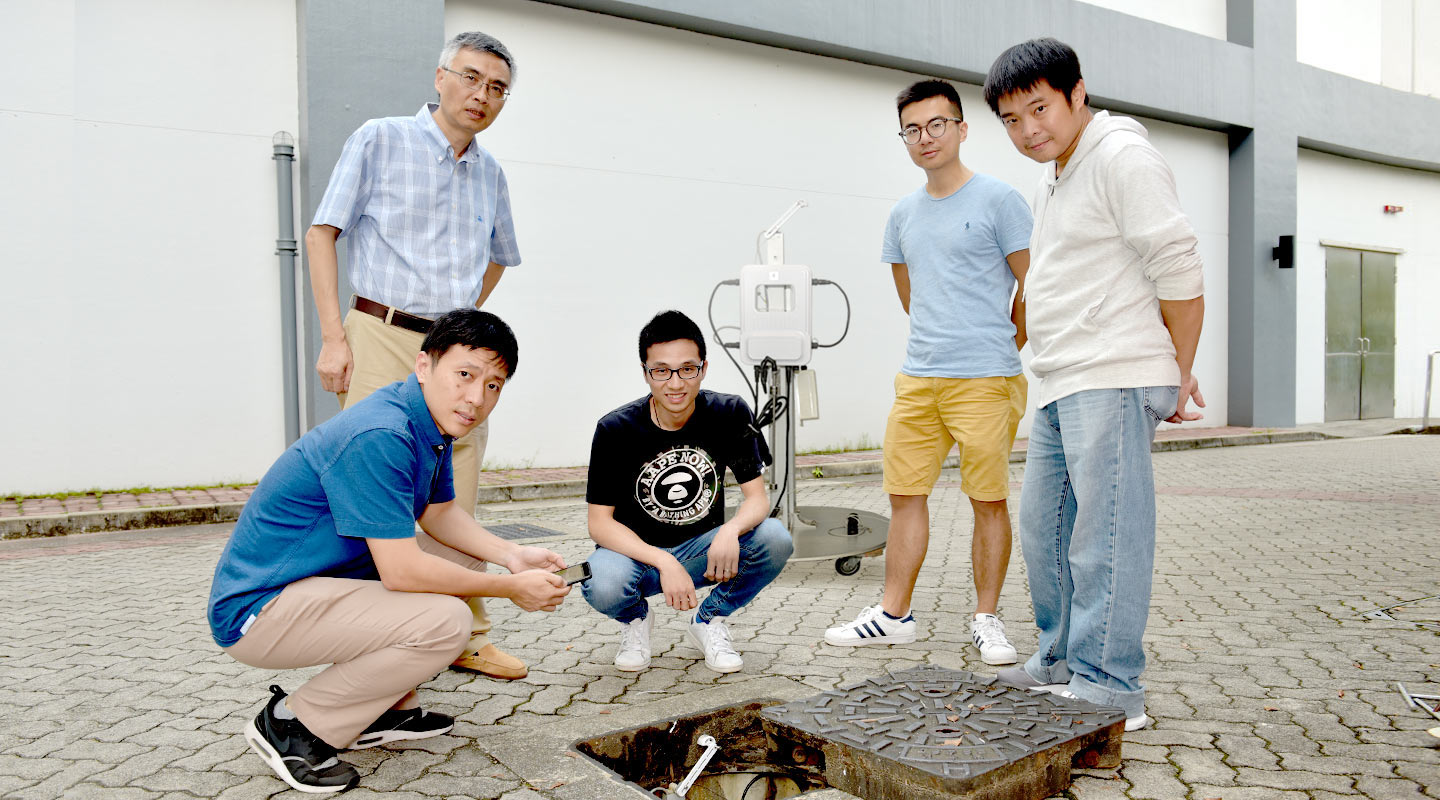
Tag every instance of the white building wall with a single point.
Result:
(137, 226)
(1341, 199)
(1388, 42)
(1205, 17)
(643, 161)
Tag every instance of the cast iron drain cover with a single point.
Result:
(932, 732)
(520, 530)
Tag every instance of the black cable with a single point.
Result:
(753, 781)
(843, 334)
(710, 312)
(789, 426)
(770, 775)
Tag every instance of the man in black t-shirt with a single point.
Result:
(657, 503)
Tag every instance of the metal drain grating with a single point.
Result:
(932, 732)
(520, 530)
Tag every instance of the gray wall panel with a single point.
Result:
(359, 59)
(1135, 65)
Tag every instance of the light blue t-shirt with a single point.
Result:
(960, 282)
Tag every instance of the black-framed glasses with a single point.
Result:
(687, 372)
(935, 127)
(495, 90)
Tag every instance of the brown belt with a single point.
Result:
(391, 316)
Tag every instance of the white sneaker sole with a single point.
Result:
(385, 737)
(690, 637)
(1000, 660)
(633, 667)
(273, 760)
(1137, 723)
(896, 639)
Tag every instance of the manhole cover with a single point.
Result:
(932, 733)
(520, 530)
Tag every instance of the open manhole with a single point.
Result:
(746, 766)
(918, 734)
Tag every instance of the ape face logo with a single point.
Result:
(678, 486)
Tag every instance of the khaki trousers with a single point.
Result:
(384, 354)
(380, 645)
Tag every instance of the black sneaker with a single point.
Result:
(395, 726)
(299, 757)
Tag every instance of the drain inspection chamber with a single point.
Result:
(914, 734)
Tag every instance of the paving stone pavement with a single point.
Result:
(1264, 680)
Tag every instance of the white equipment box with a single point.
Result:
(775, 314)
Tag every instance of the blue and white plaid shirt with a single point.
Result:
(422, 225)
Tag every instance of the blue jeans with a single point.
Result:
(1087, 528)
(619, 584)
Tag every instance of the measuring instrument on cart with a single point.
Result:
(776, 338)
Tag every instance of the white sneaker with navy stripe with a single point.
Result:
(873, 626)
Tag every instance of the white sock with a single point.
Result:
(282, 711)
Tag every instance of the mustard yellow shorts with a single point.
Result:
(931, 415)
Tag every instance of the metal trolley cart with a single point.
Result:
(776, 339)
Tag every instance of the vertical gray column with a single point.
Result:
(1264, 170)
(359, 59)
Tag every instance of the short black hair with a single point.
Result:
(475, 329)
(1024, 66)
(926, 89)
(670, 326)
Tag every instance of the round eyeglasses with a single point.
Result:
(935, 127)
(495, 90)
(687, 372)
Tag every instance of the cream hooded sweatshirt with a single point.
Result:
(1109, 243)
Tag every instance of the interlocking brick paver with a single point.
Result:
(90, 791)
(1200, 766)
(1266, 557)
(1386, 789)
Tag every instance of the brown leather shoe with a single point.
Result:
(492, 662)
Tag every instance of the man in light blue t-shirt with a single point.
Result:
(958, 249)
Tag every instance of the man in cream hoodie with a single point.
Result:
(1114, 300)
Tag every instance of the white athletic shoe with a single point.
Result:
(1131, 723)
(634, 653)
(713, 639)
(988, 633)
(873, 626)
(1020, 679)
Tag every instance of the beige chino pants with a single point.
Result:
(384, 354)
(380, 644)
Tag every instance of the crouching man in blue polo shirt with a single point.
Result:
(325, 565)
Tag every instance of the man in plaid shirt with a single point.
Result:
(427, 213)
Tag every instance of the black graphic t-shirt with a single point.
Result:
(668, 486)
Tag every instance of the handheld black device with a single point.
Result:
(576, 573)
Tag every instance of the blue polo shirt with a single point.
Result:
(367, 473)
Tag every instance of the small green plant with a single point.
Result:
(817, 473)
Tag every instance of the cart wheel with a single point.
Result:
(849, 565)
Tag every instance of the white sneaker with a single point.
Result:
(1020, 679)
(1131, 723)
(873, 626)
(634, 653)
(988, 633)
(713, 639)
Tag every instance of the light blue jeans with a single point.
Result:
(1087, 528)
(619, 584)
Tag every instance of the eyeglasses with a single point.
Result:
(935, 127)
(495, 90)
(687, 372)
